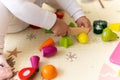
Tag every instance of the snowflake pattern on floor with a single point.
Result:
(71, 56)
(30, 36)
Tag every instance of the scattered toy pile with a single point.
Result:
(29, 72)
(48, 48)
(108, 32)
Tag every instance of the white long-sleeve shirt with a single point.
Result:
(30, 12)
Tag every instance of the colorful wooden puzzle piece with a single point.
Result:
(65, 41)
(115, 57)
(108, 73)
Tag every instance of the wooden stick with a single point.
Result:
(101, 3)
(78, 30)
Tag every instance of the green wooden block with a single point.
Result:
(65, 41)
(98, 26)
(48, 31)
(71, 24)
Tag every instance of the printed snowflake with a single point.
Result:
(71, 56)
(31, 36)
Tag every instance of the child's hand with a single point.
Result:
(60, 28)
(5, 69)
(84, 22)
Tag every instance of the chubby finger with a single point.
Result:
(60, 34)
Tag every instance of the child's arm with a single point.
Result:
(72, 7)
(30, 13)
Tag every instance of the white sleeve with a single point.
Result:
(30, 13)
(72, 7)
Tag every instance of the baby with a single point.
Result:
(16, 15)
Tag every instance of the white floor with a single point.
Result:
(79, 61)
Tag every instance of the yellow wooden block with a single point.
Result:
(78, 30)
(115, 27)
(119, 73)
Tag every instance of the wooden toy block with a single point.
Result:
(24, 75)
(35, 62)
(49, 51)
(65, 41)
(71, 24)
(115, 56)
(73, 31)
(78, 30)
(115, 27)
(99, 25)
(48, 72)
(48, 42)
